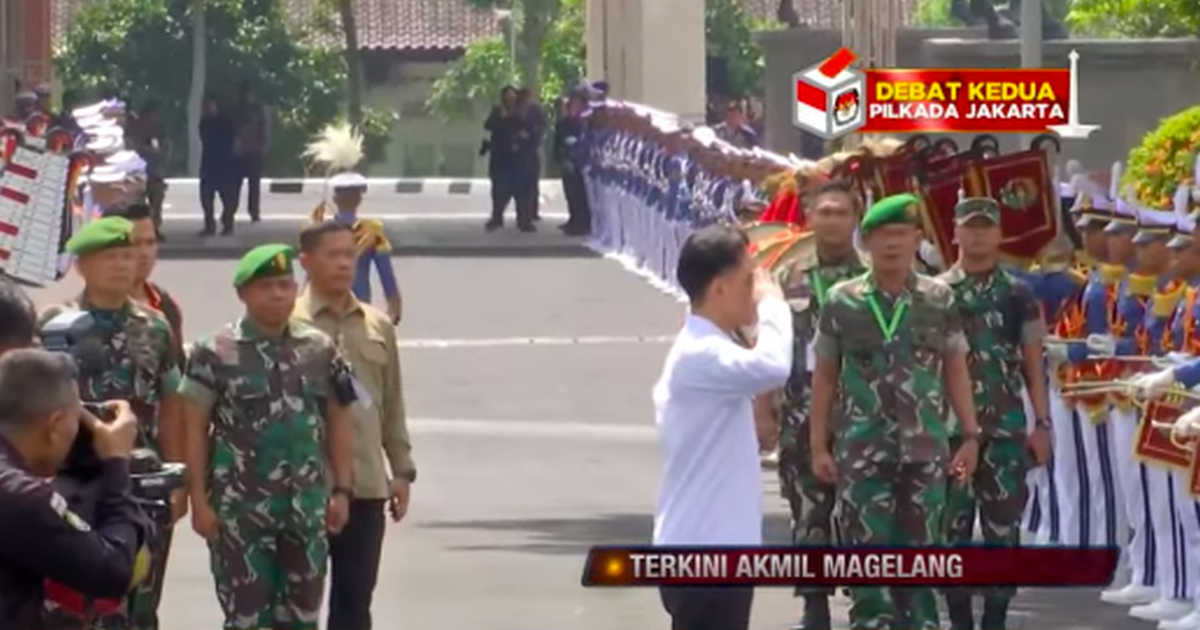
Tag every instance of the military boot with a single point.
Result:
(962, 617)
(995, 614)
(816, 613)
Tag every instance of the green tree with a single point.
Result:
(729, 29)
(134, 48)
(1165, 159)
(1135, 18)
(486, 65)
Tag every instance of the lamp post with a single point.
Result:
(506, 16)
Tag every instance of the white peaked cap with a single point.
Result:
(105, 175)
(1155, 218)
(1065, 189)
(347, 180)
(129, 161)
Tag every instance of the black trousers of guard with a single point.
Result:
(212, 186)
(578, 210)
(708, 608)
(354, 565)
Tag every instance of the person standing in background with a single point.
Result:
(249, 147)
(502, 125)
(367, 339)
(146, 136)
(217, 171)
(735, 128)
(568, 134)
(530, 137)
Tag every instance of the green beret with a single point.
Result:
(972, 207)
(894, 209)
(100, 235)
(264, 261)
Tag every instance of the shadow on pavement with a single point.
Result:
(575, 536)
(1070, 609)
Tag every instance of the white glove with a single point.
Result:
(1172, 359)
(1152, 386)
(1102, 344)
(1188, 425)
(1056, 353)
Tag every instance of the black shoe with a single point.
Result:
(493, 225)
(816, 613)
(962, 617)
(527, 227)
(256, 219)
(995, 614)
(207, 231)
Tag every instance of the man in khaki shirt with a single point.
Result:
(367, 340)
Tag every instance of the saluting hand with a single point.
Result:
(337, 513)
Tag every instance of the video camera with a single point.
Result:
(153, 481)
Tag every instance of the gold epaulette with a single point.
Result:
(1166, 301)
(1112, 274)
(1142, 285)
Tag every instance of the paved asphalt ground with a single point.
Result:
(527, 373)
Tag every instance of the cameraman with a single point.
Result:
(128, 354)
(41, 540)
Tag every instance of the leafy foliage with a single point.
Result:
(486, 66)
(1165, 159)
(1136, 18)
(936, 13)
(729, 28)
(141, 49)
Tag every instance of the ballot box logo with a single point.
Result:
(834, 99)
(829, 97)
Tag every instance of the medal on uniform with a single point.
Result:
(887, 326)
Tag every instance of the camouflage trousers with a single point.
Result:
(997, 493)
(889, 504)
(269, 576)
(811, 500)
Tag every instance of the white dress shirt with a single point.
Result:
(711, 491)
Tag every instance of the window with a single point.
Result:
(420, 160)
(458, 160)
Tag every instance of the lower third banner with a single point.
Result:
(788, 566)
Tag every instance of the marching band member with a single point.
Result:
(339, 148)
(1084, 312)
(1146, 300)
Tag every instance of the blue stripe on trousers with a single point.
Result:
(1035, 510)
(1110, 491)
(1178, 549)
(1052, 491)
(1085, 508)
(1151, 566)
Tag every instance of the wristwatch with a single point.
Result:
(344, 491)
(971, 436)
(1042, 423)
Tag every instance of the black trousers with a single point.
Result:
(354, 565)
(250, 169)
(708, 608)
(525, 193)
(213, 186)
(578, 211)
(503, 192)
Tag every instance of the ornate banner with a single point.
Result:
(1023, 183)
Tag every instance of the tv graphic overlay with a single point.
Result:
(833, 99)
(790, 566)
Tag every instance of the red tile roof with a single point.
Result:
(453, 24)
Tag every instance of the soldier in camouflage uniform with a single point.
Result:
(833, 215)
(129, 354)
(890, 353)
(1003, 323)
(269, 433)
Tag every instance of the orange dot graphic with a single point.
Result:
(614, 568)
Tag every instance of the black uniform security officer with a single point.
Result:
(43, 544)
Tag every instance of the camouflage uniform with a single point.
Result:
(267, 476)
(890, 437)
(806, 284)
(1000, 315)
(130, 354)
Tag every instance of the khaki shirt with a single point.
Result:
(368, 341)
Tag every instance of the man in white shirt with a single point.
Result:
(711, 491)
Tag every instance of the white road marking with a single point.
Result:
(631, 433)
(294, 217)
(530, 341)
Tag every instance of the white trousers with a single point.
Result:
(1189, 519)
(1068, 473)
(1132, 475)
(1177, 574)
(1041, 508)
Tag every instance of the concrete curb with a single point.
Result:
(399, 186)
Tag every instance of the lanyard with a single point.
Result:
(887, 327)
(814, 276)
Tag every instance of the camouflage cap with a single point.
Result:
(894, 209)
(101, 234)
(265, 261)
(972, 207)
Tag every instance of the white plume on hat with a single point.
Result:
(338, 147)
